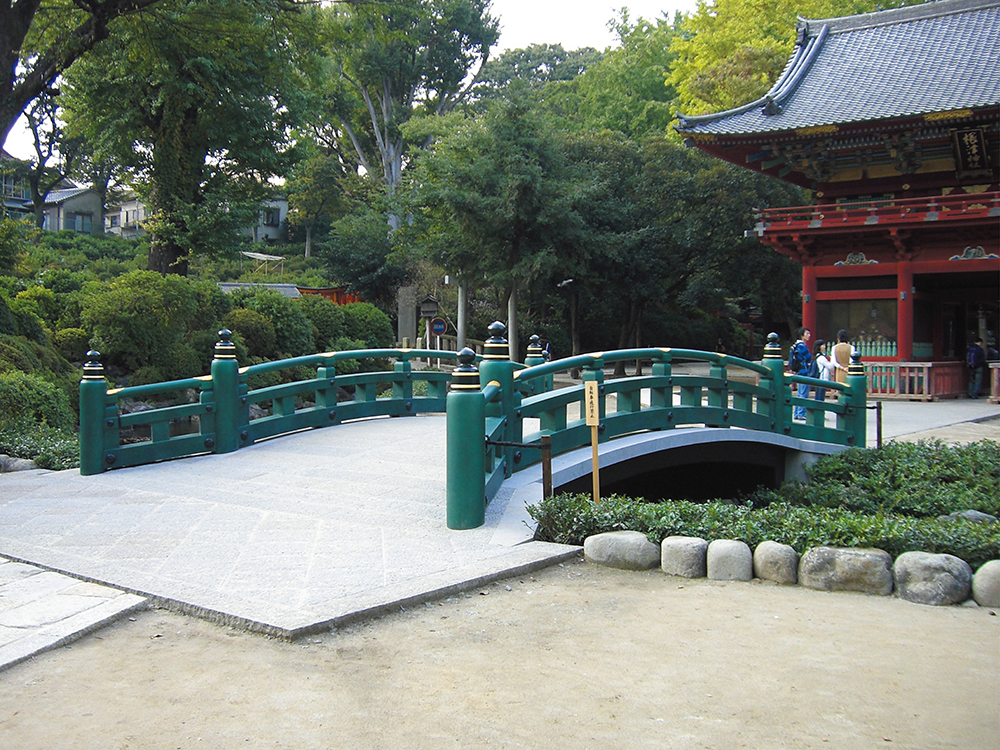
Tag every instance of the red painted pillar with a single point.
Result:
(809, 299)
(904, 315)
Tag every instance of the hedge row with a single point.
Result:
(569, 519)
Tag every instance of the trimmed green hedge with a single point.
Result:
(569, 519)
(889, 498)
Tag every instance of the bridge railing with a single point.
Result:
(221, 416)
(520, 407)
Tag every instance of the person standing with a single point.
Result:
(824, 367)
(975, 359)
(842, 354)
(800, 362)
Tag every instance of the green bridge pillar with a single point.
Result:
(781, 404)
(498, 367)
(226, 393)
(466, 450)
(93, 395)
(857, 404)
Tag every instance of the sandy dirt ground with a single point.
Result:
(574, 656)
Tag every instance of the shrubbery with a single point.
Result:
(26, 398)
(791, 518)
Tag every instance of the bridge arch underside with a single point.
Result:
(695, 464)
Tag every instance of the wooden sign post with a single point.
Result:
(593, 420)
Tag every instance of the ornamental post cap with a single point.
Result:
(497, 330)
(772, 350)
(535, 345)
(856, 367)
(466, 358)
(224, 347)
(465, 377)
(92, 367)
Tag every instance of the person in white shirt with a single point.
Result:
(824, 366)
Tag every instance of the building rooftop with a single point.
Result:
(906, 62)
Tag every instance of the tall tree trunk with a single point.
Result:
(309, 238)
(627, 333)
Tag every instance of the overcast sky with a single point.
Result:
(571, 23)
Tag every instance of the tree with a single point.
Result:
(624, 90)
(49, 143)
(495, 192)
(40, 39)
(315, 193)
(190, 96)
(532, 68)
(398, 60)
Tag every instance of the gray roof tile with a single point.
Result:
(909, 61)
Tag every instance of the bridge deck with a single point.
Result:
(301, 532)
(290, 535)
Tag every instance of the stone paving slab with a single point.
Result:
(42, 610)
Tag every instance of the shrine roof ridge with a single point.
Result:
(888, 65)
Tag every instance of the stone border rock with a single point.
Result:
(919, 577)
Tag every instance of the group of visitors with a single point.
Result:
(832, 365)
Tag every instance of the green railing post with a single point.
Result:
(718, 396)
(404, 390)
(226, 392)
(497, 367)
(93, 395)
(535, 356)
(857, 404)
(662, 397)
(781, 405)
(466, 450)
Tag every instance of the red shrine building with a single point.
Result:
(892, 121)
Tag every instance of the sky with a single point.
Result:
(571, 23)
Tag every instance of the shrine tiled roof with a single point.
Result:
(906, 62)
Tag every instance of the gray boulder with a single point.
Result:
(776, 562)
(926, 578)
(684, 556)
(986, 584)
(838, 569)
(629, 550)
(729, 560)
(9, 463)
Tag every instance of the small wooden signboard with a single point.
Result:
(593, 419)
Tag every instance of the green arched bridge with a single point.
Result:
(499, 412)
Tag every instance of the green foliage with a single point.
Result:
(13, 242)
(26, 321)
(361, 253)
(195, 103)
(41, 302)
(72, 343)
(255, 330)
(569, 519)
(138, 318)
(328, 320)
(27, 398)
(912, 479)
(292, 328)
(50, 447)
(366, 323)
